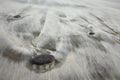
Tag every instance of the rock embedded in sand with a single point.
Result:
(16, 16)
(91, 33)
(42, 59)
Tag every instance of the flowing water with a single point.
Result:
(82, 35)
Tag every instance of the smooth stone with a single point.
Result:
(42, 59)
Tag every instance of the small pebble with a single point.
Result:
(91, 33)
(16, 16)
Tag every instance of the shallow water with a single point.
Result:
(82, 35)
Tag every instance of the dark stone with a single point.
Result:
(42, 59)
(91, 33)
(16, 16)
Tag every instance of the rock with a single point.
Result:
(42, 59)
(91, 33)
(16, 16)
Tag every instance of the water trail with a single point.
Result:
(82, 35)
